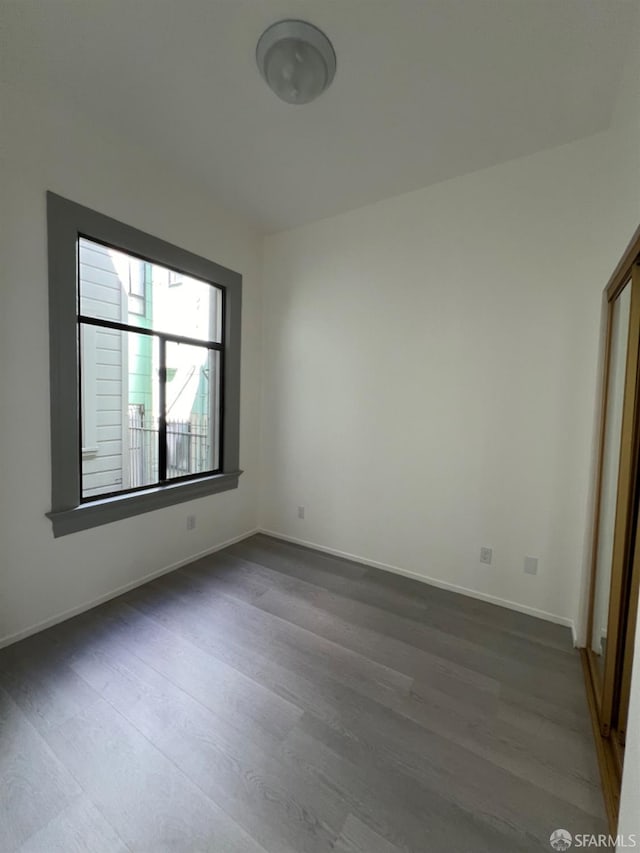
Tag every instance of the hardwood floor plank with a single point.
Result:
(210, 680)
(47, 691)
(314, 565)
(357, 837)
(34, 785)
(382, 586)
(413, 653)
(150, 803)
(480, 732)
(482, 612)
(277, 806)
(80, 828)
(399, 808)
(249, 627)
(521, 703)
(272, 698)
(231, 576)
(475, 726)
(304, 687)
(559, 763)
(485, 637)
(254, 619)
(476, 785)
(286, 569)
(247, 580)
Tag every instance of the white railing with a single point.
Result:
(188, 445)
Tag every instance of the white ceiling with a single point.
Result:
(425, 89)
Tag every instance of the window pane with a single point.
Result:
(117, 286)
(192, 409)
(119, 410)
(105, 277)
(185, 306)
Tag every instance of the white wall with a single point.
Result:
(430, 368)
(45, 146)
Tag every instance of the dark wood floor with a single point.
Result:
(269, 698)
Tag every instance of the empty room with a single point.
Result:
(320, 421)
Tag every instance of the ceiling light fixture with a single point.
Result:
(297, 61)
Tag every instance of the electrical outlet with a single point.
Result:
(486, 555)
(531, 565)
(300, 512)
(191, 522)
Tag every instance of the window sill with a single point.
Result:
(106, 510)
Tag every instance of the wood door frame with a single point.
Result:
(627, 659)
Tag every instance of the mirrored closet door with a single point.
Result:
(614, 475)
(613, 597)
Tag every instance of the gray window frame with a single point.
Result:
(66, 222)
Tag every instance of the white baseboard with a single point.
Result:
(452, 587)
(491, 599)
(75, 611)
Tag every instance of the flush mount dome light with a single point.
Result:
(296, 60)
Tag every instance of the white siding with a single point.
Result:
(104, 374)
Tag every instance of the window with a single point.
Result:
(144, 374)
